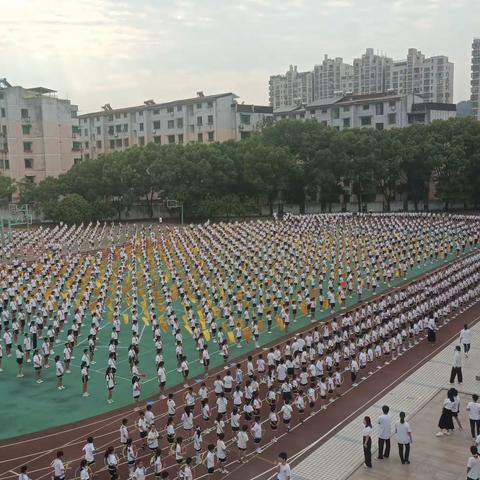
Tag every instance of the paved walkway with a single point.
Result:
(420, 396)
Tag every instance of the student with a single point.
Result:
(152, 438)
(37, 365)
(242, 440)
(84, 373)
(210, 460)
(384, 431)
(457, 365)
(286, 412)
(23, 473)
(156, 462)
(466, 339)
(58, 467)
(111, 462)
(136, 389)
(179, 450)
(19, 355)
(89, 451)
(473, 409)
(84, 470)
(59, 371)
(140, 471)
(124, 436)
(110, 381)
(222, 453)
(473, 465)
(142, 428)
(257, 434)
(403, 433)
(445, 424)
(284, 472)
(197, 445)
(367, 441)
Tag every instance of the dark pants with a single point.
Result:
(466, 347)
(456, 372)
(381, 451)
(34, 341)
(475, 428)
(404, 457)
(367, 452)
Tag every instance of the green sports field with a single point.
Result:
(36, 407)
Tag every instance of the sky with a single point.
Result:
(123, 52)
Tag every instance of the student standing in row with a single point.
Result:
(403, 433)
(367, 441)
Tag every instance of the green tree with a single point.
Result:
(73, 208)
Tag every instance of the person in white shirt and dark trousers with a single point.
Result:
(466, 339)
(457, 365)
(473, 465)
(384, 431)
(473, 409)
(403, 433)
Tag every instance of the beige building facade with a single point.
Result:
(39, 134)
(475, 79)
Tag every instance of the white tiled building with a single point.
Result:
(475, 79)
(203, 119)
(293, 88)
(371, 73)
(38, 133)
(331, 77)
(380, 111)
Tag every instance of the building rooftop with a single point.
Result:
(242, 108)
(185, 101)
(41, 90)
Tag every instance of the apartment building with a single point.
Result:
(332, 77)
(38, 133)
(430, 77)
(203, 119)
(293, 88)
(379, 111)
(475, 79)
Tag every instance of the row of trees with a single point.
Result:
(290, 162)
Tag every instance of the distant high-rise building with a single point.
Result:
(293, 88)
(429, 77)
(39, 134)
(475, 79)
(332, 77)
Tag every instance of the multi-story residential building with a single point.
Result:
(380, 111)
(38, 133)
(293, 88)
(203, 119)
(431, 77)
(332, 77)
(475, 79)
(371, 73)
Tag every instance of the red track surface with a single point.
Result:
(38, 450)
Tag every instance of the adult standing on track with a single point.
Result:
(457, 365)
(284, 471)
(367, 441)
(384, 431)
(466, 339)
(403, 433)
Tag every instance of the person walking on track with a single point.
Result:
(384, 431)
(457, 365)
(403, 433)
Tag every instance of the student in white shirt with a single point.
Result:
(403, 433)
(58, 467)
(384, 431)
(466, 339)
(473, 465)
(210, 460)
(242, 440)
(111, 462)
(367, 441)
(473, 409)
(23, 473)
(457, 365)
(284, 472)
(84, 470)
(222, 453)
(89, 451)
(59, 371)
(139, 473)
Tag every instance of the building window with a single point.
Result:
(85, 132)
(379, 126)
(118, 128)
(77, 160)
(26, 129)
(156, 125)
(200, 138)
(391, 104)
(191, 128)
(335, 113)
(117, 116)
(366, 107)
(392, 118)
(2, 112)
(157, 139)
(140, 113)
(30, 178)
(199, 121)
(324, 110)
(27, 146)
(346, 123)
(97, 119)
(99, 130)
(112, 144)
(379, 108)
(86, 144)
(77, 146)
(171, 124)
(211, 136)
(140, 127)
(125, 127)
(111, 130)
(141, 141)
(99, 144)
(110, 118)
(179, 122)
(171, 139)
(7, 164)
(245, 119)
(210, 104)
(28, 162)
(169, 109)
(4, 130)
(346, 109)
(124, 115)
(156, 111)
(125, 142)
(24, 112)
(180, 138)
(199, 105)
(312, 112)
(118, 142)
(366, 121)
